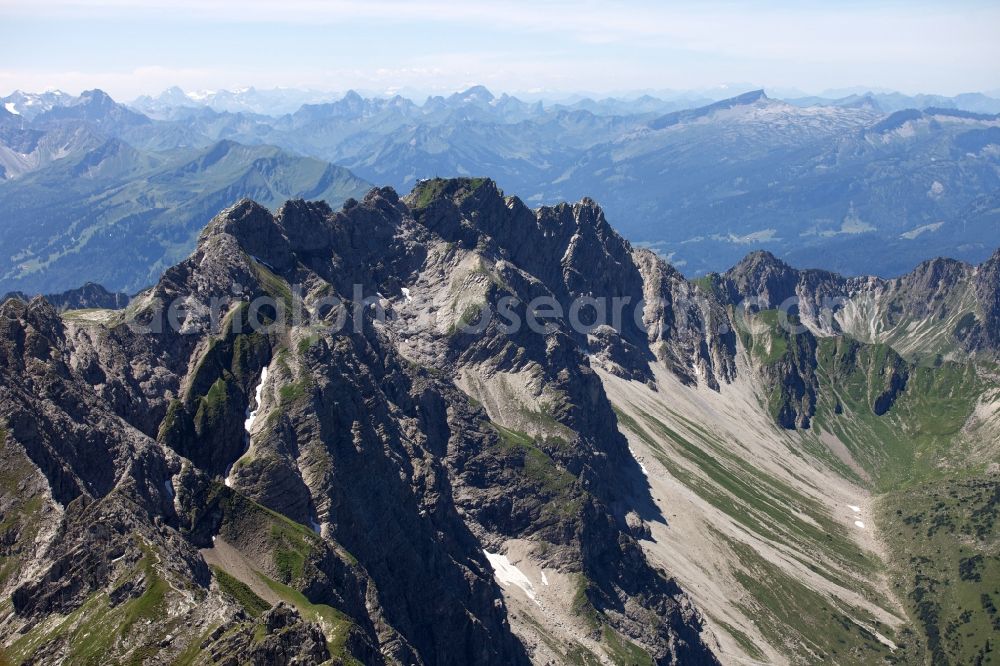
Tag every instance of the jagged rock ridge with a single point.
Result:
(394, 464)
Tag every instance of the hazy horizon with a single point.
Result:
(129, 49)
(419, 96)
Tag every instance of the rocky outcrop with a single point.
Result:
(90, 295)
(791, 381)
(287, 639)
(946, 299)
(688, 327)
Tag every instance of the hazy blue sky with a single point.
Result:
(128, 48)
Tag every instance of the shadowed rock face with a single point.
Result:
(90, 295)
(988, 292)
(385, 456)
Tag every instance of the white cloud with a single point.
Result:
(856, 33)
(598, 46)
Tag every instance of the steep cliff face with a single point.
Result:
(988, 294)
(688, 327)
(575, 494)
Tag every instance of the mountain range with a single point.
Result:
(849, 184)
(92, 187)
(279, 101)
(761, 465)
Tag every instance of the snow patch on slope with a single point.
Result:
(508, 574)
(251, 417)
(252, 414)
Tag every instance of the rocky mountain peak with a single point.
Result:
(757, 259)
(938, 272)
(432, 190)
(97, 107)
(36, 312)
(896, 120)
(475, 95)
(348, 246)
(246, 227)
(570, 247)
(688, 115)
(588, 213)
(96, 98)
(762, 275)
(247, 221)
(303, 207)
(351, 102)
(90, 295)
(867, 101)
(750, 97)
(482, 201)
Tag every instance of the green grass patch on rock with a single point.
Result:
(241, 592)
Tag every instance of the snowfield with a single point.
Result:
(249, 421)
(252, 414)
(508, 574)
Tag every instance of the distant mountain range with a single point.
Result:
(856, 184)
(852, 184)
(249, 100)
(279, 101)
(889, 102)
(89, 186)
